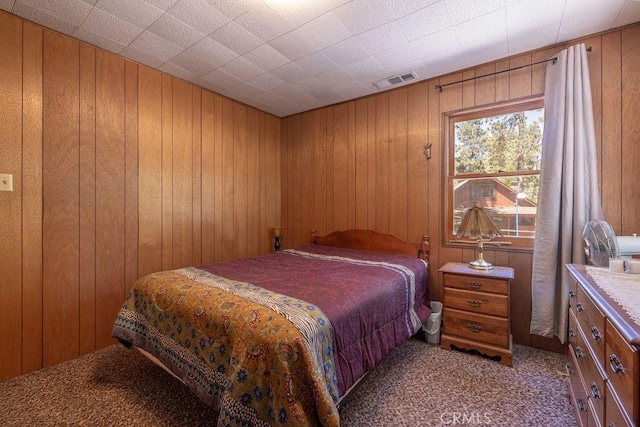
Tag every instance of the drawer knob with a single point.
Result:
(473, 327)
(594, 391)
(578, 352)
(581, 407)
(572, 333)
(474, 284)
(572, 294)
(615, 364)
(595, 333)
(579, 307)
(569, 369)
(474, 302)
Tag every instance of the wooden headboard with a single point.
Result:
(373, 241)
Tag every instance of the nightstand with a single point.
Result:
(476, 310)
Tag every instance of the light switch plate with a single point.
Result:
(6, 182)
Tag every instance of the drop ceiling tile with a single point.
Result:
(71, 11)
(140, 14)
(292, 45)
(43, 18)
(242, 69)
(522, 40)
(590, 16)
(99, 40)
(154, 46)
(162, 4)
(382, 38)
(332, 77)
(6, 5)
(111, 27)
(291, 93)
(400, 8)
(315, 63)
(266, 57)
(423, 22)
(221, 79)
(326, 95)
(244, 90)
(266, 82)
(142, 56)
(301, 12)
(204, 56)
(482, 27)
(484, 50)
(324, 31)
(264, 23)
(176, 31)
(445, 40)
(629, 14)
(309, 84)
(290, 73)
(236, 38)
(362, 15)
(353, 89)
(234, 8)
(199, 14)
(363, 67)
(528, 14)
(346, 51)
(397, 56)
(464, 10)
(177, 71)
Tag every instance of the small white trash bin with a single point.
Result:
(432, 326)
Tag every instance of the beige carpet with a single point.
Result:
(417, 385)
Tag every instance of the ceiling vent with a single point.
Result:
(394, 80)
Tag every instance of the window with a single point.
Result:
(493, 158)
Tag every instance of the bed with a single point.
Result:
(281, 338)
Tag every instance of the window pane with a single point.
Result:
(511, 202)
(503, 143)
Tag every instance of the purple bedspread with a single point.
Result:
(367, 304)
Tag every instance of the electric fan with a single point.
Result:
(600, 243)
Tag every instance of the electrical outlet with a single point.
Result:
(6, 182)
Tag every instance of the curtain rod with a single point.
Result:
(554, 59)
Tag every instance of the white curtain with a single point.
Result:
(569, 195)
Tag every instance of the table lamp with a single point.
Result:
(477, 225)
(276, 235)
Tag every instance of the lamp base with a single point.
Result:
(481, 264)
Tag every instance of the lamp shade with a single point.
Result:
(477, 225)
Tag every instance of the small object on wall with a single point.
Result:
(6, 182)
(427, 151)
(276, 236)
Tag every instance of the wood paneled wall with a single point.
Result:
(118, 171)
(360, 164)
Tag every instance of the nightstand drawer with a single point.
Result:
(477, 302)
(479, 284)
(478, 327)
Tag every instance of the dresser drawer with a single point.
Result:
(572, 334)
(481, 284)
(477, 327)
(621, 365)
(476, 302)
(592, 374)
(592, 321)
(578, 393)
(614, 414)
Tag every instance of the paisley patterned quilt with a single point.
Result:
(268, 354)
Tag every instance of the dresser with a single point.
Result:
(604, 362)
(476, 310)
